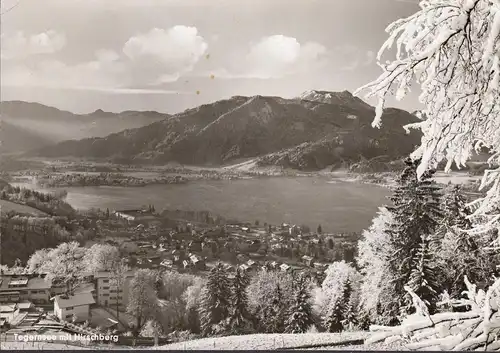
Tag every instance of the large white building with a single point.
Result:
(108, 293)
(67, 307)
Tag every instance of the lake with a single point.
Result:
(339, 206)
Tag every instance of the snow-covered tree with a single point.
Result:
(240, 319)
(416, 215)
(274, 314)
(63, 264)
(423, 276)
(37, 259)
(455, 210)
(143, 303)
(270, 293)
(332, 289)
(451, 48)
(192, 297)
(101, 257)
(216, 303)
(300, 316)
(332, 320)
(374, 253)
(349, 308)
(152, 328)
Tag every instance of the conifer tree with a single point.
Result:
(274, 315)
(332, 321)
(460, 253)
(424, 274)
(416, 215)
(215, 306)
(240, 319)
(348, 314)
(455, 209)
(301, 315)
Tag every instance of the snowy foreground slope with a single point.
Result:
(267, 341)
(324, 341)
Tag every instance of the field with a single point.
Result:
(6, 206)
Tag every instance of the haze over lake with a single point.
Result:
(338, 206)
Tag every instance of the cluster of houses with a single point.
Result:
(23, 297)
(194, 248)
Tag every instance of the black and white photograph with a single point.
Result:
(250, 175)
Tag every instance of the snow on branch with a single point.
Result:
(451, 49)
(476, 329)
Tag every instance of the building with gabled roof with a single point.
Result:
(285, 267)
(78, 305)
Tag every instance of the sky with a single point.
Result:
(170, 55)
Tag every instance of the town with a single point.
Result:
(183, 242)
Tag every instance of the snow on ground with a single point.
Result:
(244, 166)
(53, 346)
(363, 347)
(266, 341)
(455, 177)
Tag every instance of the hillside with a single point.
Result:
(26, 126)
(14, 138)
(314, 130)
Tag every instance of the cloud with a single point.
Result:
(104, 71)
(276, 56)
(146, 60)
(19, 45)
(164, 54)
(356, 57)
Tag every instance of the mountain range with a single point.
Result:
(26, 126)
(309, 132)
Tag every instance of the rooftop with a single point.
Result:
(8, 308)
(74, 300)
(14, 282)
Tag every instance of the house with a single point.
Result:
(251, 263)
(244, 267)
(129, 215)
(285, 267)
(167, 263)
(25, 307)
(197, 262)
(154, 261)
(30, 287)
(135, 215)
(9, 312)
(320, 266)
(78, 305)
(307, 260)
(107, 291)
(242, 257)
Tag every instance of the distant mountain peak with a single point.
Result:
(343, 98)
(318, 94)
